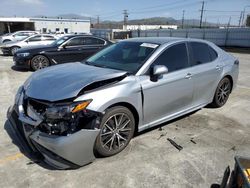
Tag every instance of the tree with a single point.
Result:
(248, 21)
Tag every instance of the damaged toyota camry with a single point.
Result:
(72, 112)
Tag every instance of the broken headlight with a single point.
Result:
(64, 119)
(58, 112)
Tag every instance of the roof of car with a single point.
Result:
(161, 40)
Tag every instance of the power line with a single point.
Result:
(164, 9)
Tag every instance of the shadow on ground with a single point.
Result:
(19, 69)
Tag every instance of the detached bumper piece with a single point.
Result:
(62, 152)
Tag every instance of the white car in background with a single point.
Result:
(10, 48)
(19, 35)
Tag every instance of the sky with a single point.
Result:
(217, 11)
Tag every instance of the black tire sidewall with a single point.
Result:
(109, 112)
(216, 103)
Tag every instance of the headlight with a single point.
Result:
(23, 54)
(60, 111)
(18, 94)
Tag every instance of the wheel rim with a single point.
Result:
(223, 92)
(116, 132)
(13, 51)
(40, 62)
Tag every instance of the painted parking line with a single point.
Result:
(11, 158)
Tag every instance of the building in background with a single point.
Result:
(44, 25)
(149, 27)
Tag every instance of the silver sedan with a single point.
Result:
(10, 48)
(68, 112)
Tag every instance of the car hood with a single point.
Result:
(65, 81)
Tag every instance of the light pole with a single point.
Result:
(243, 16)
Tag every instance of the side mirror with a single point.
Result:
(157, 71)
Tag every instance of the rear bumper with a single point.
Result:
(61, 152)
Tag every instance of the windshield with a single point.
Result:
(60, 41)
(126, 56)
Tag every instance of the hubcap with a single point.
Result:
(116, 132)
(223, 93)
(40, 62)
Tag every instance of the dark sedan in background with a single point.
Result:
(70, 48)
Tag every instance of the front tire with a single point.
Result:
(39, 62)
(222, 93)
(117, 129)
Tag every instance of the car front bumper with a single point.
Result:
(62, 152)
(23, 62)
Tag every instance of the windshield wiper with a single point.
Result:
(93, 64)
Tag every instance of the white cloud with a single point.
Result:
(32, 1)
(23, 2)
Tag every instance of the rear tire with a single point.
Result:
(116, 130)
(222, 93)
(39, 62)
(6, 40)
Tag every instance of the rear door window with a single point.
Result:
(93, 41)
(78, 41)
(174, 58)
(200, 53)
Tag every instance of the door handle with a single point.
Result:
(218, 68)
(188, 76)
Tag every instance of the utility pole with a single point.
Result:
(98, 21)
(202, 11)
(182, 23)
(229, 21)
(125, 21)
(240, 18)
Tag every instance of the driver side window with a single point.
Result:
(35, 39)
(174, 58)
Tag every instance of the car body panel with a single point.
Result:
(153, 102)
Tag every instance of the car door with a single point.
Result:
(34, 40)
(172, 93)
(91, 46)
(206, 71)
(70, 51)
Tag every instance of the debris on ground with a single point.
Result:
(163, 134)
(179, 147)
(232, 148)
(193, 141)
(160, 129)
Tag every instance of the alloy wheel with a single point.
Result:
(116, 132)
(223, 92)
(39, 62)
